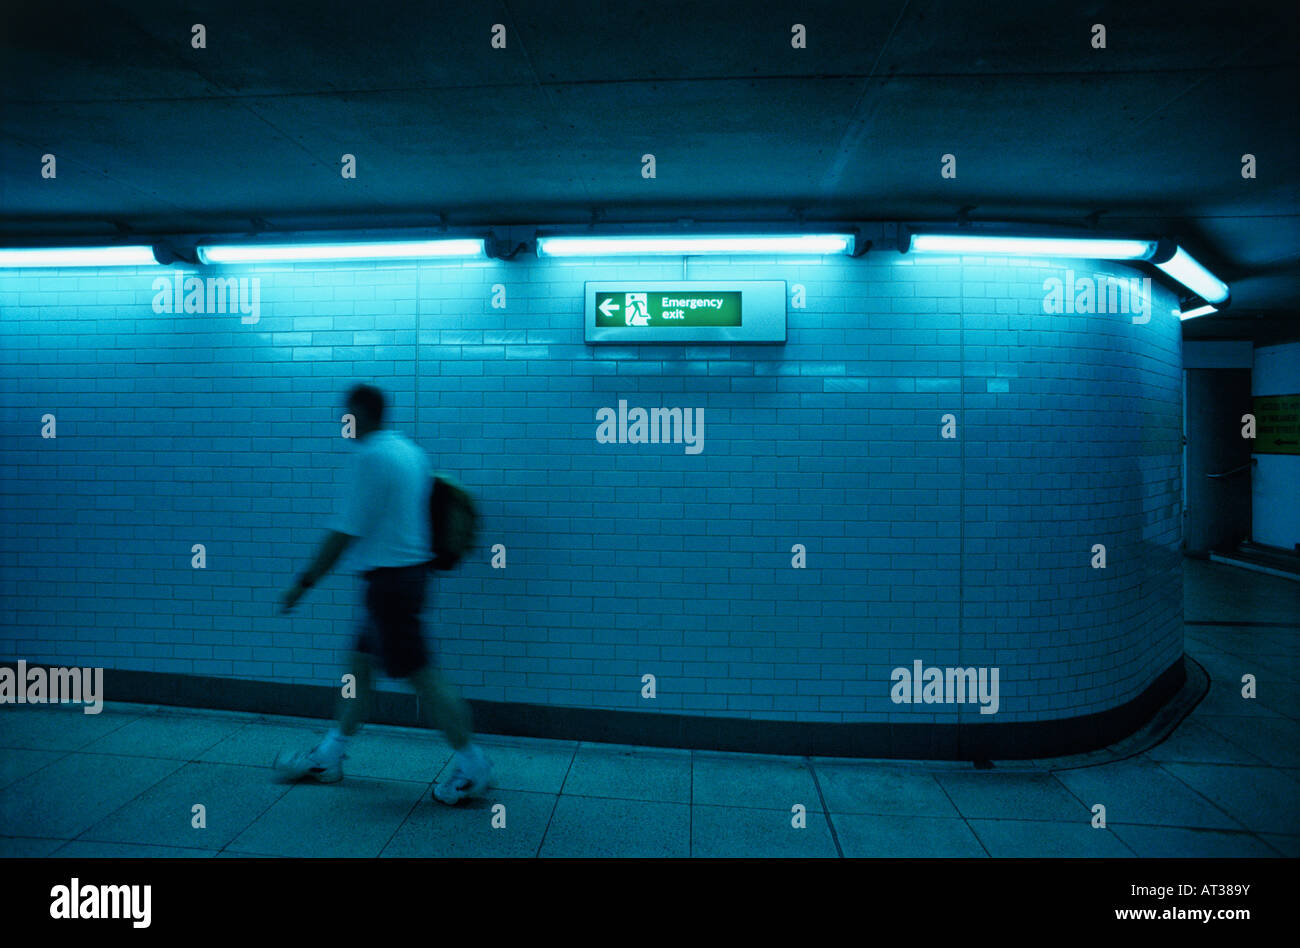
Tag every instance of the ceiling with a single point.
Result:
(152, 136)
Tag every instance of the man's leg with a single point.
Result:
(354, 711)
(395, 600)
(324, 762)
(442, 708)
(397, 613)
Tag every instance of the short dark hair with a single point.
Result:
(369, 399)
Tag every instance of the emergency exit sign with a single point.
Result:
(1277, 424)
(669, 308)
(686, 311)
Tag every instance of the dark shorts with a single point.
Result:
(391, 630)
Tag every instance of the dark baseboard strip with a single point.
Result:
(1016, 740)
(1253, 625)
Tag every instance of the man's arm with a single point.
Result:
(330, 550)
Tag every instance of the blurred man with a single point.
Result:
(384, 522)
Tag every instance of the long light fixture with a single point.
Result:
(324, 252)
(1092, 248)
(78, 257)
(778, 244)
(1198, 311)
(1170, 258)
(1183, 267)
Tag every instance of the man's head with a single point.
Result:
(366, 403)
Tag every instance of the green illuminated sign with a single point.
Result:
(672, 312)
(673, 307)
(1278, 420)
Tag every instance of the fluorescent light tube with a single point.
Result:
(1088, 248)
(689, 246)
(1183, 267)
(78, 257)
(1199, 311)
(360, 250)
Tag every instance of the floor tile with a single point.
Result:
(84, 849)
(1019, 839)
(911, 837)
(630, 774)
(587, 827)
(1224, 698)
(882, 790)
(775, 783)
(68, 796)
(1195, 743)
(473, 828)
(1274, 741)
(1284, 845)
(1137, 791)
(355, 818)
(56, 727)
(1172, 842)
(17, 763)
(991, 795)
(1262, 799)
(742, 833)
(173, 736)
(233, 797)
(27, 847)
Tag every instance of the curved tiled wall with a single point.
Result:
(622, 560)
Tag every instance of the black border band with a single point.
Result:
(1015, 740)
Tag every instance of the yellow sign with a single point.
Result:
(1277, 424)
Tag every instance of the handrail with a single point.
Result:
(1235, 470)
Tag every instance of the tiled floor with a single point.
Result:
(126, 782)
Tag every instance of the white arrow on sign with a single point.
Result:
(608, 307)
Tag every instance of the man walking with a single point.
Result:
(384, 521)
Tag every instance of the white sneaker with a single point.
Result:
(311, 764)
(468, 779)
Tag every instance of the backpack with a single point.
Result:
(453, 521)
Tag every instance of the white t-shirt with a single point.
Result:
(385, 502)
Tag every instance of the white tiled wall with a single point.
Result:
(622, 560)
